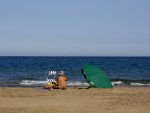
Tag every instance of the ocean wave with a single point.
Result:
(28, 83)
(39, 83)
(117, 83)
(131, 83)
(32, 82)
(139, 84)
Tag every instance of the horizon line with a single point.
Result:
(68, 56)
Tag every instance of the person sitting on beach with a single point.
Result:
(62, 80)
(49, 85)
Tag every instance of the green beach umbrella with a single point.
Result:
(96, 77)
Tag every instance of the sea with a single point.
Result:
(32, 71)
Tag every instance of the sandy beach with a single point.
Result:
(72, 100)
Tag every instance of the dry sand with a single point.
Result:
(37, 100)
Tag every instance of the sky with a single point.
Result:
(74, 27)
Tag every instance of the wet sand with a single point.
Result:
(71, 100)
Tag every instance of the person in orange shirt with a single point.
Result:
(62, 80)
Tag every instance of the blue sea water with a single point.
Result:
(16, 71)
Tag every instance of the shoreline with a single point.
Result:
(39, 83)
(74, 100)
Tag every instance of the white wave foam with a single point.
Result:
(32, 82)
(76, 83)
(36, 82)
(117, 83)
(139, 84)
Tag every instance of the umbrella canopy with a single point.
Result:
(96, 77)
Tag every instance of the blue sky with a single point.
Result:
(74, 27)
